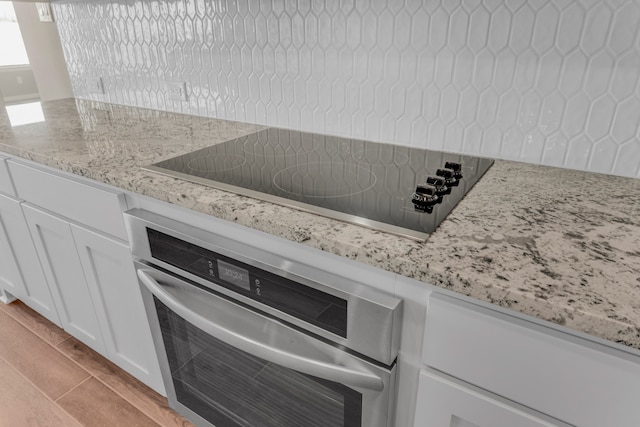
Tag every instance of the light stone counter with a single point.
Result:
(559, 245)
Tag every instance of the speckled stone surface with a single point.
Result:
(556, 244)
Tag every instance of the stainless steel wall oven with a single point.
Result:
(247, 338)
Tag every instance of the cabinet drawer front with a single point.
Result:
(443, 402)
(6, 186)
(569, 378)
(78, 199)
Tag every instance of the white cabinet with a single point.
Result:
(444, 402)
(10, 278)
(8, 267)
(93, 282)
(112, 281)
(532, 363)
(57, 252)
(20, 264)
(78, 231)
(6, 184)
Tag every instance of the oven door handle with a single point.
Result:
(354, 374)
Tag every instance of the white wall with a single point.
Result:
(17, 83)
(45, 53)
(547, 81)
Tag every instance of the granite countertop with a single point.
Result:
(560, 245)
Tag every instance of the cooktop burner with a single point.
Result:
(401, 190)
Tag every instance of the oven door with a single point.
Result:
(225, 364)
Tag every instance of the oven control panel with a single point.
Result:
(311, 305)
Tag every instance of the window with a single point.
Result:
(12, 50)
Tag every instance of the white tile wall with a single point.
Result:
(543, 81)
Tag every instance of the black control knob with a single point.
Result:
(455, 167)
(449, 177)
(439, 183)
(425, 197)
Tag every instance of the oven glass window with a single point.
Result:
(229, 387)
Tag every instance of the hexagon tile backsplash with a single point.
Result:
(542, 81)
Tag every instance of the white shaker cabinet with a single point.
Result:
(10, 278)
(534, 365)
(444, 402)
(6, 184)
(20, 264)
(78, 230)
(112, 282)
(57, 252)
(8, 267)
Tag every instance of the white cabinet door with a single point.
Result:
(10, 278)
(57, 252)
(445, 403)
(28, 276)
(116, 294)
(6, 183)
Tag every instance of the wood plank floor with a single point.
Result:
(48, 378)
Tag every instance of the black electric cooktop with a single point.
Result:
(402, 190)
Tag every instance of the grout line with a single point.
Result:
(118, 393)
(104, 383)
(97, 378)
(57, 346)
(3, 360)
(28, 327)
(41, 340)
(55, 402)
(39, 390)
(61, 341)
(73, 388)
(36, 386)
(115, 392)
(80, 365)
